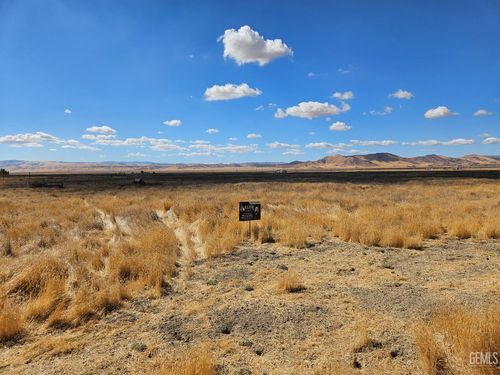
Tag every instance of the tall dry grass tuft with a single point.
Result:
(147, 261)
(39, 307)
(11, 321)
(447, 341)
(290, 282)
(37, 274)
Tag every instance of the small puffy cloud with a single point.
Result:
(491, 140)
(433, 142)
(230, 91)
(248, 46)
(233, 139)
(373, 143)
(347, 95)
(339, 126)
(439, 112)
(101, 129)
(482, 112)
(172, 123)
(402, 94)
(68, 111)
(212, 131)
(253, 136)
(311, 110)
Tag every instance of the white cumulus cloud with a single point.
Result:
(230, 91)
(68, 111)
(212, 131)
(339, 126)
(491, 140)
(101, 129)
(172, 123)
(248, 46)
(402, 94)
(439, 112)
(311, 110)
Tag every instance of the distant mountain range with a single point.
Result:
(334, 162)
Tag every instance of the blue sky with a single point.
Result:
(233, 81)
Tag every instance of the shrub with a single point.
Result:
(290, 282)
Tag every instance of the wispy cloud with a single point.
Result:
(212, 131)
(288, 149)
(433, 142)
(482, 112)
(347, 95)
(254, 136)
(386, 111)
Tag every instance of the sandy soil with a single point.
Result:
(358, 309)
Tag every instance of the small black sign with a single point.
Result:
(249, 211)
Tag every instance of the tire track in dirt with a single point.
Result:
(190, 244)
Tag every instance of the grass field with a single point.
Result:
(338, 277)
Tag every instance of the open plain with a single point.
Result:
(347, 272)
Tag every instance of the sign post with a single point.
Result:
(249, 211)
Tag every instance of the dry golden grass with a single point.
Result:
(72, 256)
(11, 321)
(290, 282)
(197, 361)
(447, 341)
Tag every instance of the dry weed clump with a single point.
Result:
(447, 341)
(11, 321)
(290, 282)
